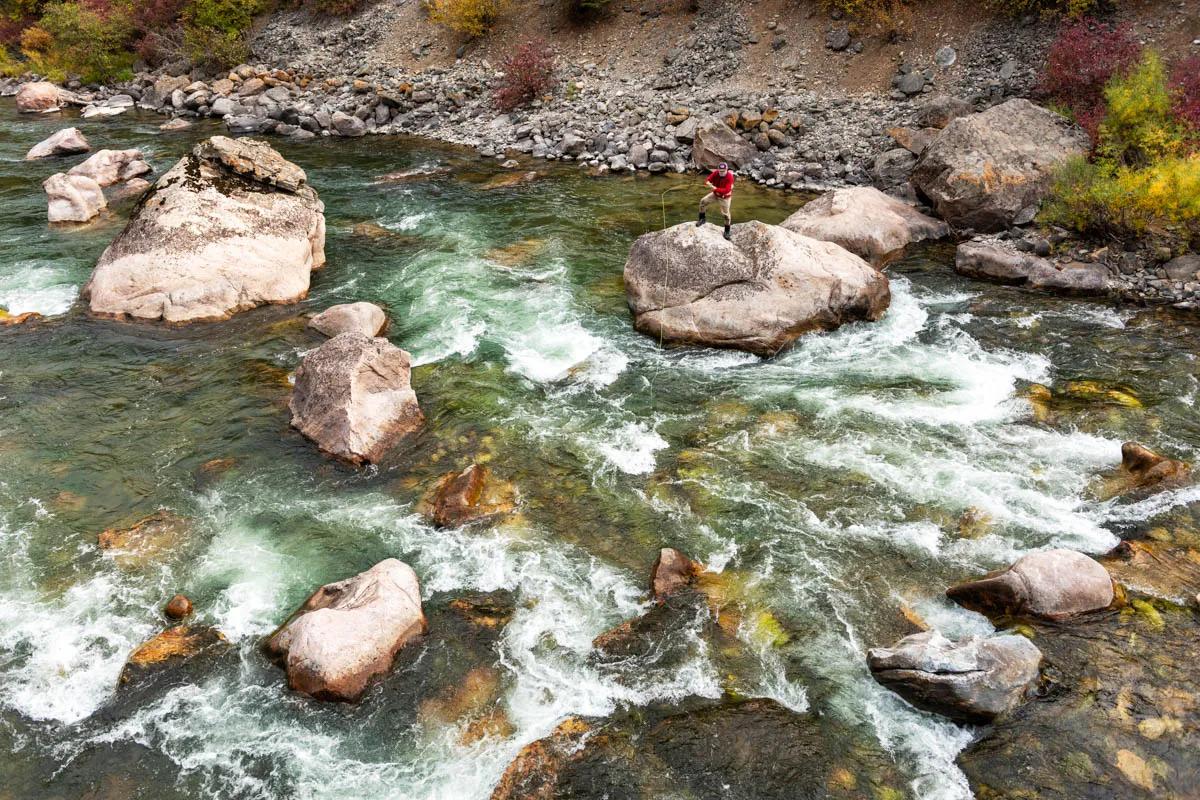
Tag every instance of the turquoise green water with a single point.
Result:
(827, 483)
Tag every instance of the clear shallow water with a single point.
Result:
(827, 484)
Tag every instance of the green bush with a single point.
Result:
(1145, 175)
(1139, 125)
(73, 39)
(214, 31)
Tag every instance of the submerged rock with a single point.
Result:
(672, 572)
(178, 607)
(365, 318)
(109, 167)
(1054, 584)
(67, 142)
(149, 541)
(990, 170)
(349, 632)
(1144, 471)
(167, 652)
(758, 292)
(992, 262)
(974, 680)
(353, 397)
(12, 320)
(73, 198)
(872, 225)
(473, 495)
(211, 240)
(714, 141)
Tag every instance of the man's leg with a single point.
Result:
(704, 202)
(725, 206)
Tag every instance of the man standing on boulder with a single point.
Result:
(720, 181)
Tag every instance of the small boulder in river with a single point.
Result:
(714, 142)
(865, 221)
(672, 572)
(990, 170)
(348, 632)
(1143, 470)
(974, 680)
(108, 167)
(353, 397)
(67, 142)
(365, 318)
(473, 495)
(40, 97)
(178, 607)
(1053, 584)
(222, 231)
(758, 292)
(992, 261)
(73, 198)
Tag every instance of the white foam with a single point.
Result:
(34, 286)
(632, 447)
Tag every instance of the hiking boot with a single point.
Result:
(700, 222)
(727, 236)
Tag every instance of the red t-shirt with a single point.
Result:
(722, 187)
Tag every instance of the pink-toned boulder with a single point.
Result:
(67, 142)
(353, 397)
(107, 167)
(348, 632)
(672, 572)
(364, 318)
(73, 198)
(40, 97)
(1054, 584)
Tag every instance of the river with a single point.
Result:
(828, 486)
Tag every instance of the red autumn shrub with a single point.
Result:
(1185, 85)
(528, 73)
(1082, 58)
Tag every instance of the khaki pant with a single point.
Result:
(723, 202)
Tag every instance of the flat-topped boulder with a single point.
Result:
(872, 225)
(214, 236)
(354, 399)
(989, 170)
(758, 292)
(365, 318)
(1052, 584)
(67, 142)
(974, 680)
(992, 261)
(347, 633)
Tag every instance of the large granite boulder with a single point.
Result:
(353, 397)
(713, 142)
(41, 96)
(974, 680)
(865, 221)
(1053, 584)
(991, 261)
(230, 227)
(73, 198)
(67, 142)
(109, 167)
(365, 318)
(990, 170)
(348, 632)
(758, 292)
